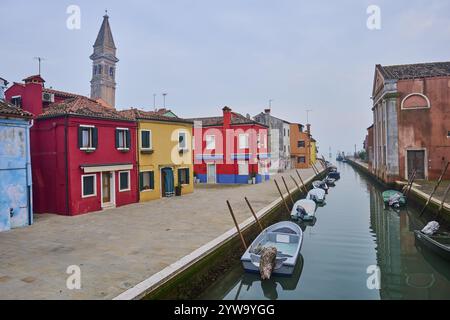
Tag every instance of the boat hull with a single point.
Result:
(284, 270)
(431, 244)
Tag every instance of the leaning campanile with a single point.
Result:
(103, 83)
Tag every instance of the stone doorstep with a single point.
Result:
(145, 287)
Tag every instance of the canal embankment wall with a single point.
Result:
(417, 196)
(188, 277)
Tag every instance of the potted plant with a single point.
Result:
(178, 190)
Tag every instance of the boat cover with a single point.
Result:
(431, 228)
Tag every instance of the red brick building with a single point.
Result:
(411, 128)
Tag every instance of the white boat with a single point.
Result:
(304, 210)
(317, 195)
(320, 185)
(286, 237)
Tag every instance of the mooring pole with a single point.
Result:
(287, 189)
(318, 172)
(281, 194)
(413, 178)
(298, 187)
(312, 167)
(435, 188)
(254, 214)
(237, 225)
(301, 180)
(443, 199)
(405, 188)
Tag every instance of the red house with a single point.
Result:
(83, 152)
(230, 149)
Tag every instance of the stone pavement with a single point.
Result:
(120, 247)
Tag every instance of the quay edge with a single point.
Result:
(189, 276)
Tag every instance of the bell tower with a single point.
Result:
(103, 83)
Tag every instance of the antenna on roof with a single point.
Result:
(39, 59)
(164, 98)
(307, 115)
(154, 101)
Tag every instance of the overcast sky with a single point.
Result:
(206, 54)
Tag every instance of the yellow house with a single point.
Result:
(313, 150)
(164, 147)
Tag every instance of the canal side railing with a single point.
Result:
(184, 278)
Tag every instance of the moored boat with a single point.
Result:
(286, 237)
(394, 198)
(317, 195)
(439, 243)
(320, 185)
(304, 210)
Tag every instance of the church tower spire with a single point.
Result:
(103, 83)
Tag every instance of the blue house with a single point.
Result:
(15, 165)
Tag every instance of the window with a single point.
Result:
(17, 101)
(100, 69)
(243, 168)
(111, 71)
(301, 144)
(123, 139)
(146, 139)
(210, 142)
(124, 181)
(301, 160)
(284, 132)
(289, 132)
(448, 134)
(183, 176)
(95, 70)
(182, 140)
(88, 185)
(284, 148)
(243, 141)
(146, 181)
(87, 137)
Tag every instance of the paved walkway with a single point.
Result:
(118, 248)
(428, 187)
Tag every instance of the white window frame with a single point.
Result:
(213, 137)
(125, 139)
(246, 144)
(147, 190)
(182, 132)
(82, 185)
(189, 177)
(415, 108)
(129, 180)
(150, 139)
(91, 137)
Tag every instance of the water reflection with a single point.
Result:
(352, 232)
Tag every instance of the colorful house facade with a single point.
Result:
(230, 149)
(16, 209)
(411, 121)
(83, 153)
(300, 147)
(164, 152)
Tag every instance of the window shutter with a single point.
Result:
(152, 180)
(94, 137)
(141, 181)
(80, 137)
(187, 176)
(117, 138)
(128, 139)
(179, 176)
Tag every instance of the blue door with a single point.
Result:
(168, 182)
(14, 204)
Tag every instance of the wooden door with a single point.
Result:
(106, 187)
(416, 161)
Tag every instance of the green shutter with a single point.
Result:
(141, 181)
(128, 139)
(179, 177)
(187, 176)
(94, 137)
(152, 180)
(80, 137)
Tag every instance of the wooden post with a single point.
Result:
(413, 178)
(301, 180)
(287, 189)
(318, 172)
(281, 194)
(298, 187)
(312, 167)
(237, 225)
(254, 214)
(443, 199)
(435, 188)
(405, 188)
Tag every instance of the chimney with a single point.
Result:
(3, 85)
(267, 111)
(308, 128)
(32, 96)
(226, 117)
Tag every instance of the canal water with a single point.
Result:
(353, 237)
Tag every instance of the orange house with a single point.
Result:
(300, 147)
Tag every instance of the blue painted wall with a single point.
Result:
(15, 174)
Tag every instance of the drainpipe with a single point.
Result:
(28, 175)
(66, 160)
